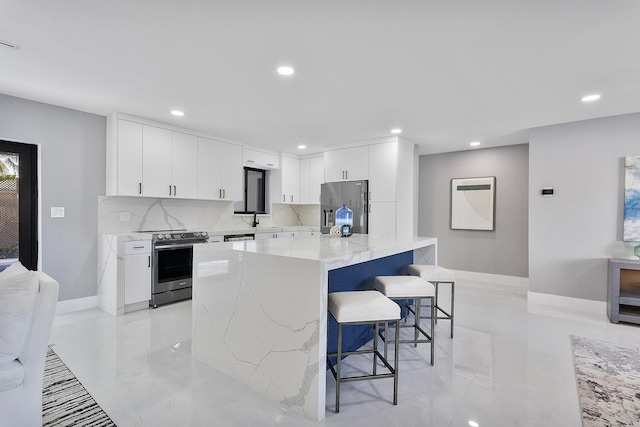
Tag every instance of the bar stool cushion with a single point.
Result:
(404, 286)
(362, 306)
(432, 273)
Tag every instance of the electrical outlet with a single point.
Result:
(57, 212)
(223, 215)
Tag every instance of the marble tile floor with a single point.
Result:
(510, 364)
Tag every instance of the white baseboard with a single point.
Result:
(76, 304)
(597, 308)
(494, 282)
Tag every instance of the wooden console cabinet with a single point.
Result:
(623, 294)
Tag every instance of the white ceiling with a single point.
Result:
(446, 72)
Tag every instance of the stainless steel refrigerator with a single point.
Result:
(354, 194)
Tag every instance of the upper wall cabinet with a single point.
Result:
(151, 161)
(311, 174)
(169, 162)
(219, 170)
(148, 160)
(124, 158)
(259, 159)
(346, 164)
(290, 180)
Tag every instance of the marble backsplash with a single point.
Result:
(125, 214)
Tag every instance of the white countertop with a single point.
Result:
(147, 235)
(350, 250)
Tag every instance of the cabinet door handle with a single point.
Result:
(149, 257)
(251, 161)
(292, 198)
(138, 247)
(284, 198)
(224, 193)
(346, 174)
(269, 164)
(170, 190)
(139, 188)
(175, 192)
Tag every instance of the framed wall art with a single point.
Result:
(631, 228)
(473, 203)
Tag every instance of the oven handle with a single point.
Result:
(174, 246)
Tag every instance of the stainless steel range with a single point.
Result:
(173, 265)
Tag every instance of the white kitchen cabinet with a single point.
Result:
(137, 271)
(219, 170)
(126, 166)
(231, 173)
(184, 162)
(156, 162)
(346, 164)
(383, 166)
(169, 161)
(144, 159)
(259, 159)
(290, 180)
(382, 219)
(311, 178)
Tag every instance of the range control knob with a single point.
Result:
(167, 236)
(160, 237)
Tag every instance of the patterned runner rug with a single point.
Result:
(65, 402)
(608, 378)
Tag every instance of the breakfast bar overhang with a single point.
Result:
(260, 307)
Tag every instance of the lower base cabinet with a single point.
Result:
(137, 271)
(623, 294)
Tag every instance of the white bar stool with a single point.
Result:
(437, 275)
(363, 307)
(410, 288)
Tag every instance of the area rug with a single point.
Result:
(65, 402)
(608, 378)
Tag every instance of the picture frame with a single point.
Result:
(631, 223)
(473, 203)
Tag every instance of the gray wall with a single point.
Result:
(502, 251)
(72, 165)
(574, 232)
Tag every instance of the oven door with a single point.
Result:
(173, 267)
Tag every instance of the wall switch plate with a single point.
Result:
(125, 216)
(57, 212)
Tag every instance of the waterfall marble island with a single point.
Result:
(260, 307)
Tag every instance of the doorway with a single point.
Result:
(18, 204)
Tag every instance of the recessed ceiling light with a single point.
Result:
(396, 130)
(177, 113)
(285, 71)
(302, 147)
(474, 143)
(590, 98)
(473, 423)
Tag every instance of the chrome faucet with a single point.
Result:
(255, 219)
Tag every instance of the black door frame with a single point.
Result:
(27, 200)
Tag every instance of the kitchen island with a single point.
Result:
(260, 307)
